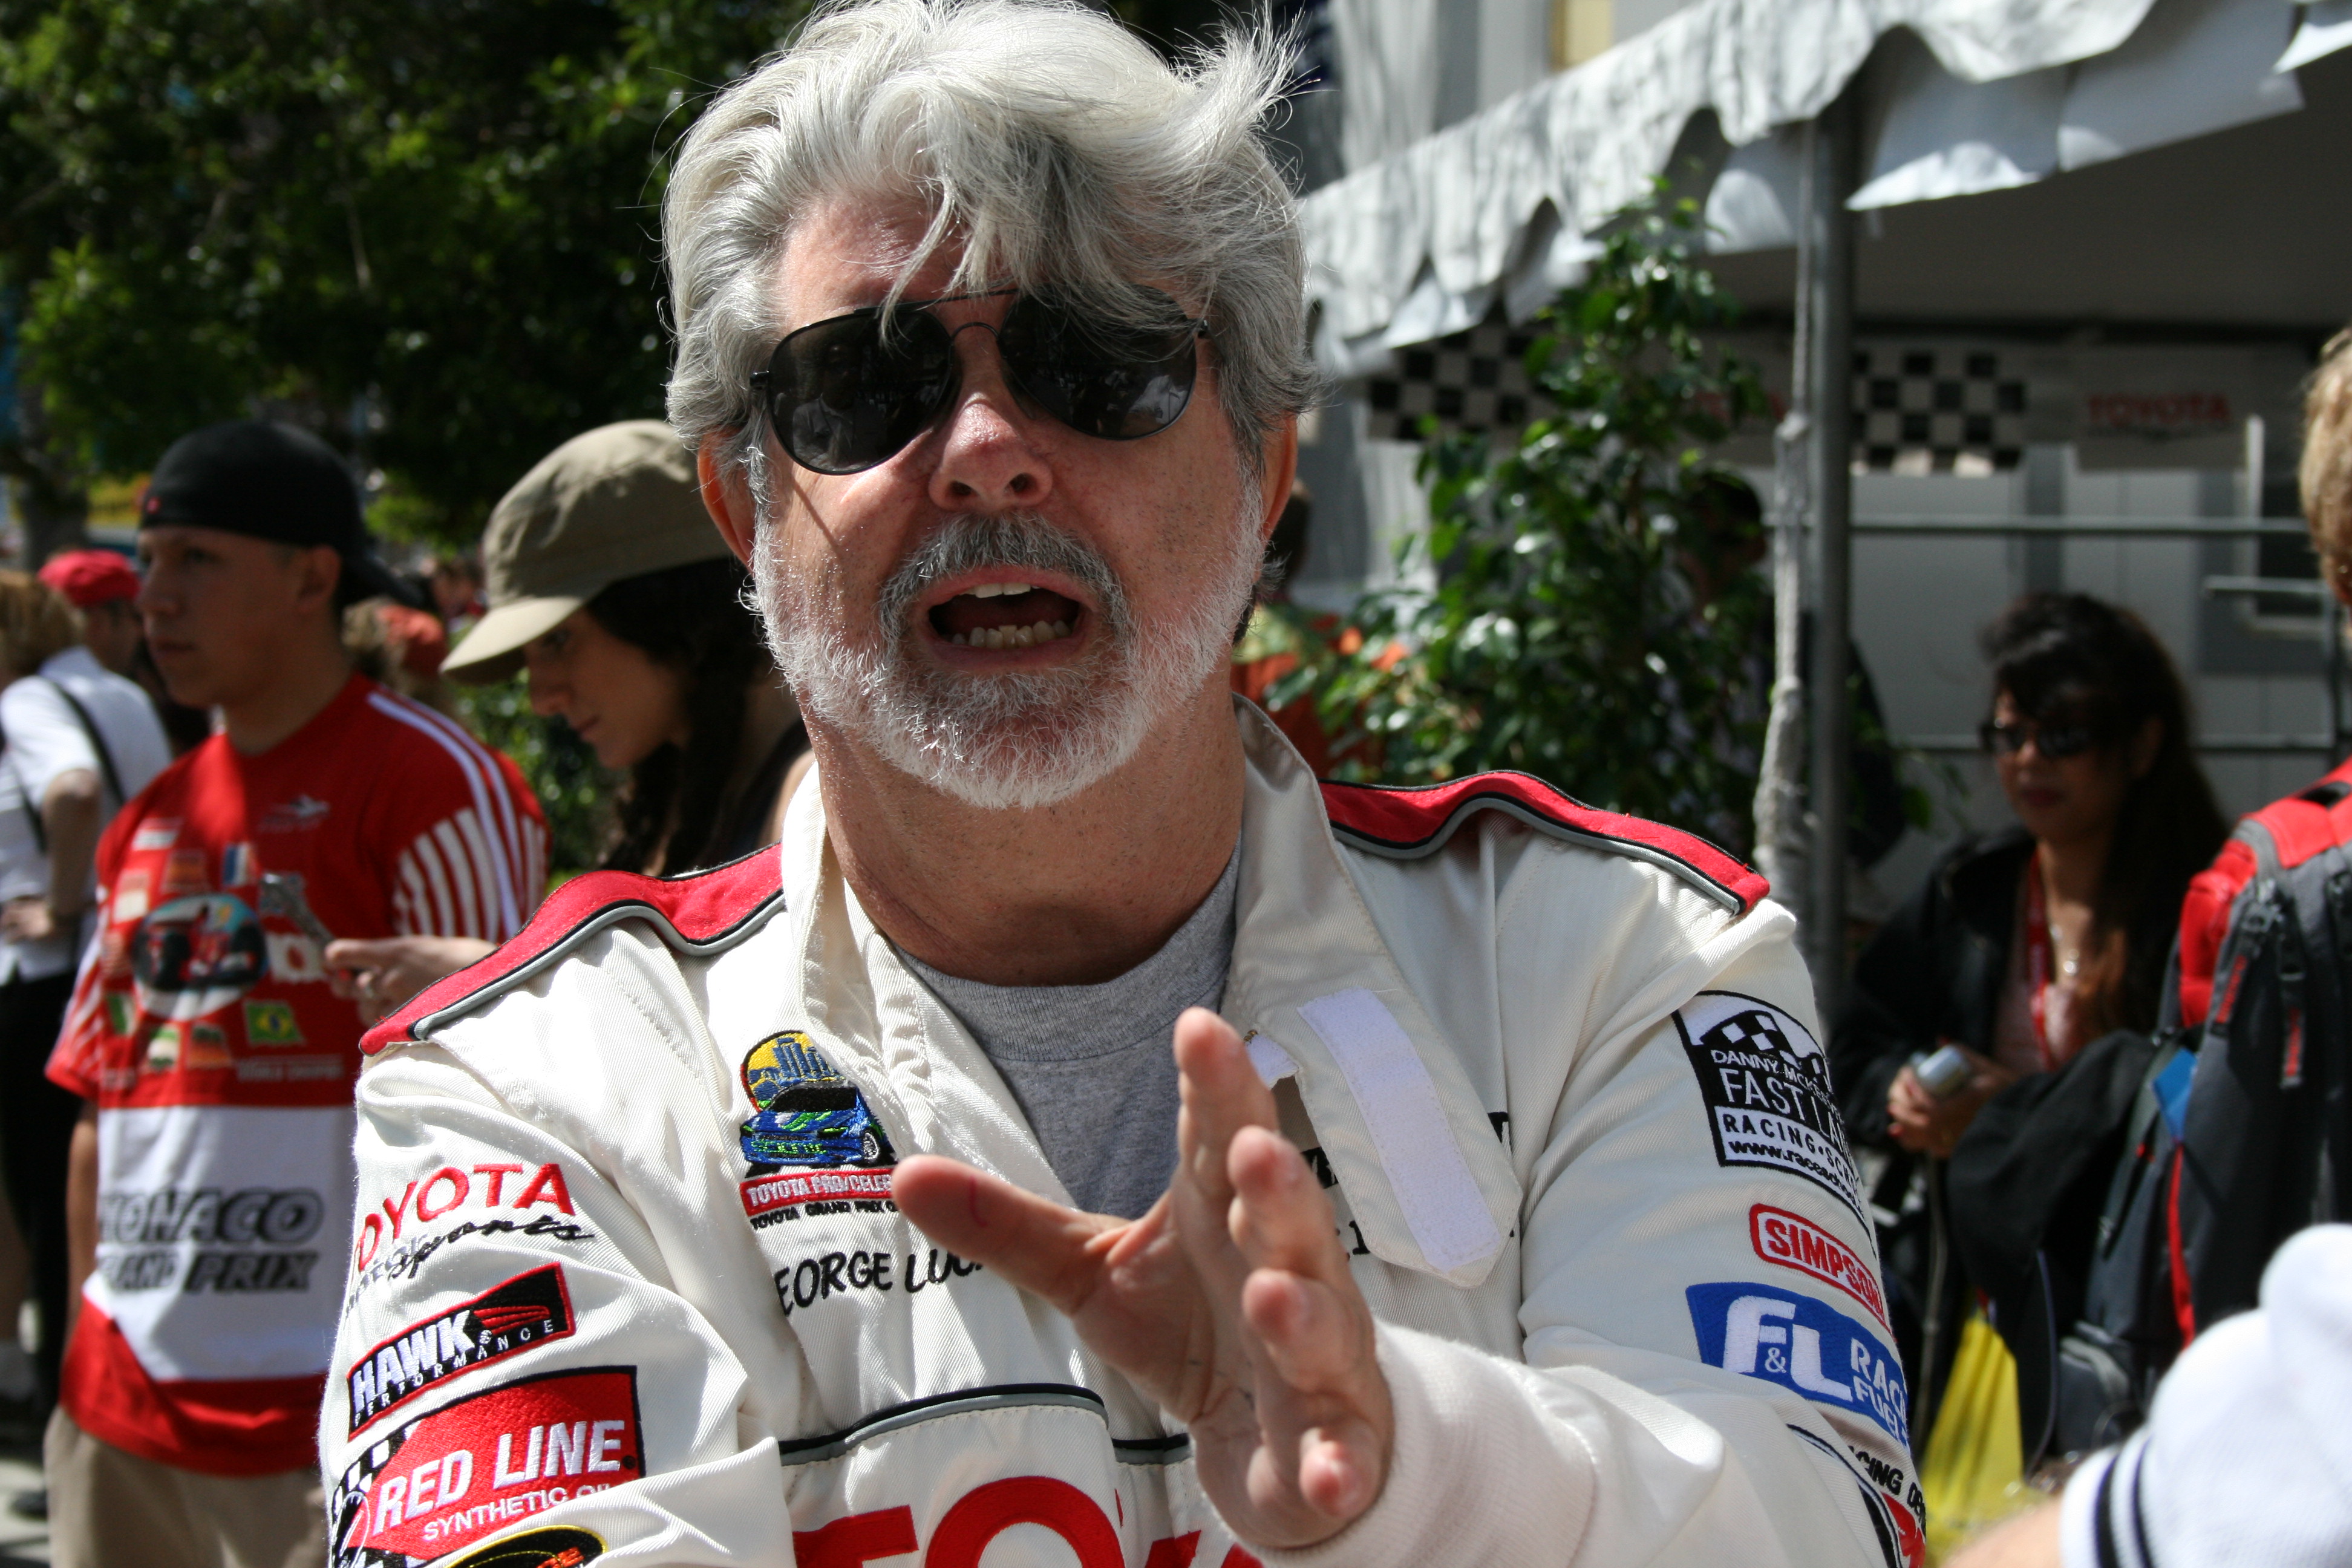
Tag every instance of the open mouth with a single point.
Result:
(1007, 616)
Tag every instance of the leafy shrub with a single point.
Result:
(1580, 607)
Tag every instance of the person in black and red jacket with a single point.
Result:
(2025, 945)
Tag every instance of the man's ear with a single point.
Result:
(1280, 471)
(320, 567)
(726, 499)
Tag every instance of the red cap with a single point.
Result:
(91, 577)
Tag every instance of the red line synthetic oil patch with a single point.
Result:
(440, 1483)
(1795, 1242)
(1766, 1083)
(769, 1200)
(529, 1309)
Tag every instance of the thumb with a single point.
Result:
(356, 953)
(1040, 1246)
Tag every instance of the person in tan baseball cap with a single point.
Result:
(609, 585)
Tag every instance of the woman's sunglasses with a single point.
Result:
(2055, 741)
(849, 393)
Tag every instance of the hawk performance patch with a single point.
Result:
(1766, 1082)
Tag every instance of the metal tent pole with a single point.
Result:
(1827, 274)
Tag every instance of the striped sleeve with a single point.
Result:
(476, 870)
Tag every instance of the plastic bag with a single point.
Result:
(1973, 1474)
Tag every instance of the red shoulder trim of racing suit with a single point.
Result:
(1405, 824)
(704, 913)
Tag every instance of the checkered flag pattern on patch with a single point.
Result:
(1475, 380)
(1764, 1082)
(1753, 1030)
(1935, 410)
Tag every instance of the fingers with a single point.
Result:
(351, 953)
(1339, 1468)
(1279, 1217)
(1038, 1245)
(1222, 1094)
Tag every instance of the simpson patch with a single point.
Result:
(529, 1309)
(1766, 1082)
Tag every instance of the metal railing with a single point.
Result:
(2328, 624)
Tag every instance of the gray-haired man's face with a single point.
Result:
(1005, 607)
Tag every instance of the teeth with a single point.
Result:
(995, 590)
(1013, 637)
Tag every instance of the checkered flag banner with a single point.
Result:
(1918, 407)
(1474, 381)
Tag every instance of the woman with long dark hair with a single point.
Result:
(2025, 945)
(609, 585)
(664, 674)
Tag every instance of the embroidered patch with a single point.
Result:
(184, 872)
(194, 957)
(207, 1048)
(1764, 1331)
(296, 816)
(444, 1481)
(129, 900)
(156, 832)
(1792, 1241)
(270, 1022)
(807, 1114)
(786, 1195)
(549, 1546)
(1766, 1082)
(532, 1309)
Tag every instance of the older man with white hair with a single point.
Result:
(849, 1202)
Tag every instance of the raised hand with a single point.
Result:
(1230, 1301)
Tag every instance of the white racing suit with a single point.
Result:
(629, 1287)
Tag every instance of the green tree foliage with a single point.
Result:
(425, 230)
(1591, 619)
(576, 795)
(440, 214)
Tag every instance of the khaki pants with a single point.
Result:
(113, 1509)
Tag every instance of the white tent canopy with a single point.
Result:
(1960, 97)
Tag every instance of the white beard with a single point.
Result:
(1021, 740)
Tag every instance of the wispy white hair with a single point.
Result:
(1053, 145)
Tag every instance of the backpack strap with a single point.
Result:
(2247, 933)
(97, 740)
(105, 766)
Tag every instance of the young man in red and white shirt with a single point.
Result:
(211, 1189)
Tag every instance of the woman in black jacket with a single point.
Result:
(2025, 945)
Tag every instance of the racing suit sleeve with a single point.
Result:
(1707, 1376)
(536, 1341)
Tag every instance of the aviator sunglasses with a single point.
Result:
(2055, 741)
(850, 392)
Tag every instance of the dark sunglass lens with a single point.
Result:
(2059, 741)
(1114, 381)
(846, 394)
